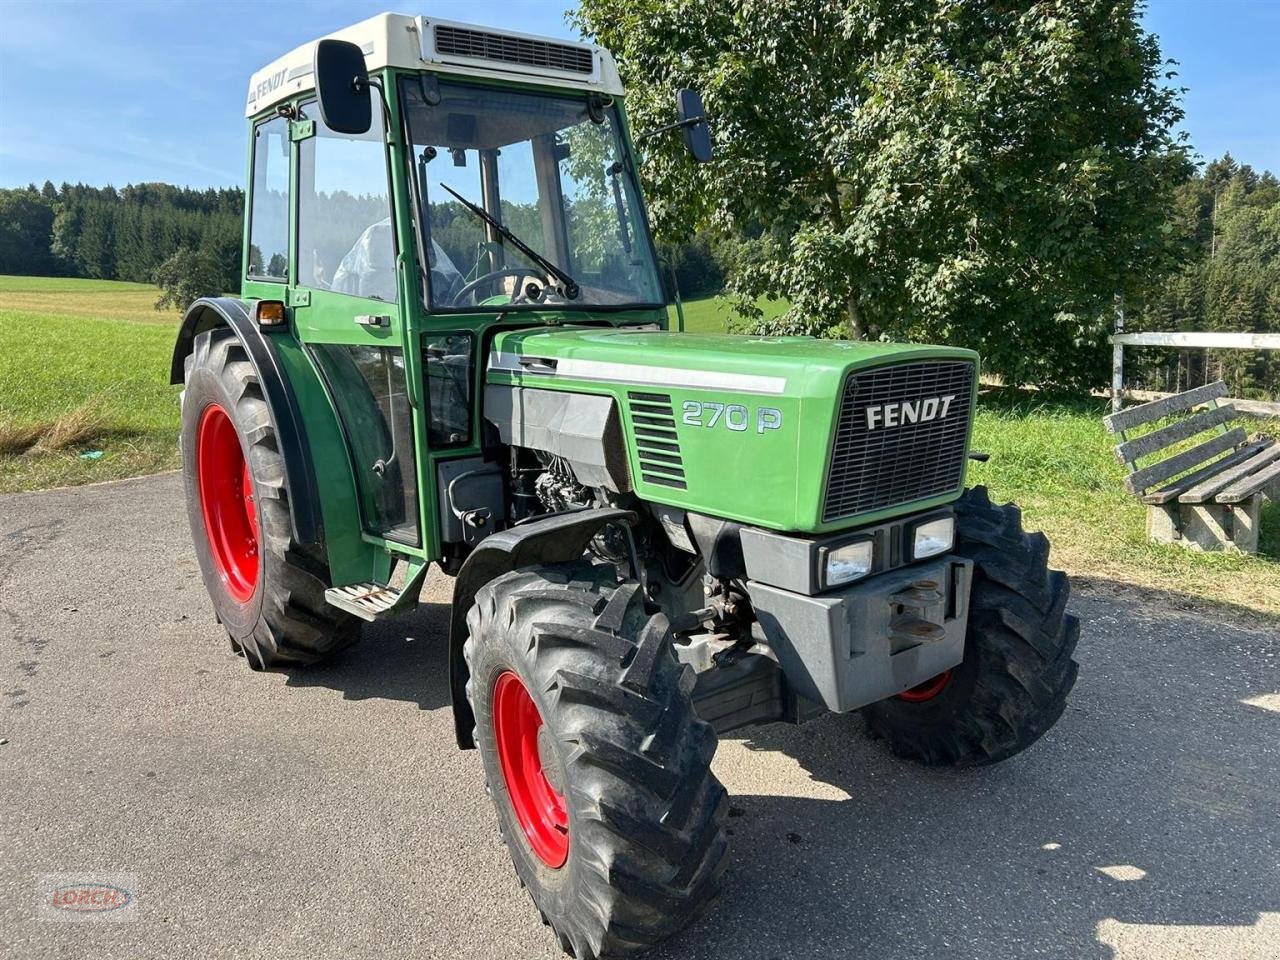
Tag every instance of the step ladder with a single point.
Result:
(372, 600)
(369, 601)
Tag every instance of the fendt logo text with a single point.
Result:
(908, 411)
(265, 86)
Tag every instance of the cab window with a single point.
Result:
(269, 217)
(346, 237)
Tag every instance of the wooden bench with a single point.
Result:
(1194, 499)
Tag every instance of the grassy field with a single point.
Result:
(716, 315)
(84, 367)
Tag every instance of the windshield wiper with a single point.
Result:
(571, 288)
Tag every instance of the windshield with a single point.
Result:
(498, 171)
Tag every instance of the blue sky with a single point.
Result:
(117, 92)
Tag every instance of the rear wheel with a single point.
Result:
(1018, 669)
(595, 760)
(267, 590)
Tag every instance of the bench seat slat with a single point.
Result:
(1158, 409)
(1182, 485)
(1149, 443)
(1206, 490)
(1138, 481)
(1248, 486)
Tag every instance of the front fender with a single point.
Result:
(282, 405)
(559, 538)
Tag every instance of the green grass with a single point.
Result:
(716, 314)
(84, 366)
(1056, 462)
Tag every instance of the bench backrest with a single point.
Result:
(1128, 451)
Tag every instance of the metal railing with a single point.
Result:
(1197, 339)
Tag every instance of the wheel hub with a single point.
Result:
(522, 743)
(550, 763)
(226, 501)
(927, 690)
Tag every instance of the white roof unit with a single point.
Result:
(443, 46)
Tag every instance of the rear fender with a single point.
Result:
(559, 538)
(282, 404)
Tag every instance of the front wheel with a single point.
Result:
(594, 758)
(1017, 670)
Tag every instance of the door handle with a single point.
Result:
(373, 320)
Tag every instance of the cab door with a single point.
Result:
(347, 307)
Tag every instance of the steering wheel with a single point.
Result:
(519, 272)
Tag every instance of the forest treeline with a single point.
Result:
(107, 234)
(1228, 219)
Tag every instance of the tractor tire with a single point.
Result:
(267, 590)
(598, 766)
(1017, 670)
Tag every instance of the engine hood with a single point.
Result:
(763, 430)
(785, 366)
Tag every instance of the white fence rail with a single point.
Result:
(1204, 340)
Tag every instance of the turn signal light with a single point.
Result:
(270, 313)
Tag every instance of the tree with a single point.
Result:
(126, 234)
(26, 222)
(187, 276)
(986, 173)
(1227, 223)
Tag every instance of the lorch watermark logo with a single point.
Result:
(78, 897)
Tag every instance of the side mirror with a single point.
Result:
(693, 123)
(342, 87)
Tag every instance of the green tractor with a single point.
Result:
(452, 347)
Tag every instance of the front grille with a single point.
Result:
(483, 45)
(887, 450)
(657, 445)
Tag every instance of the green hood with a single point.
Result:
(739, 427)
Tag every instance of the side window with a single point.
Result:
(346, 241)
(448, 366)
(269, 219)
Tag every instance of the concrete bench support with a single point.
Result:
(1210, 527)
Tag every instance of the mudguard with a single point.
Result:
(286, 416)
(558, 538)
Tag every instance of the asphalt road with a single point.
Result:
(327, 813)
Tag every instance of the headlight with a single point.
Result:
(842, 564)
(933, 538)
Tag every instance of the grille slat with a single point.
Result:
(653, 424)
(484, 45)
(890, 465)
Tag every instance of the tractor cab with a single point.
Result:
(416, 187)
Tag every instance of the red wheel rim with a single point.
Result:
(927, 690)
(539, 809)
(226, 499)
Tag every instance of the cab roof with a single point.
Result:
(444, 46)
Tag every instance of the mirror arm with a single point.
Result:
(359, 85)
(679, 124)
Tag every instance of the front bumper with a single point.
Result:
(851, 647)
